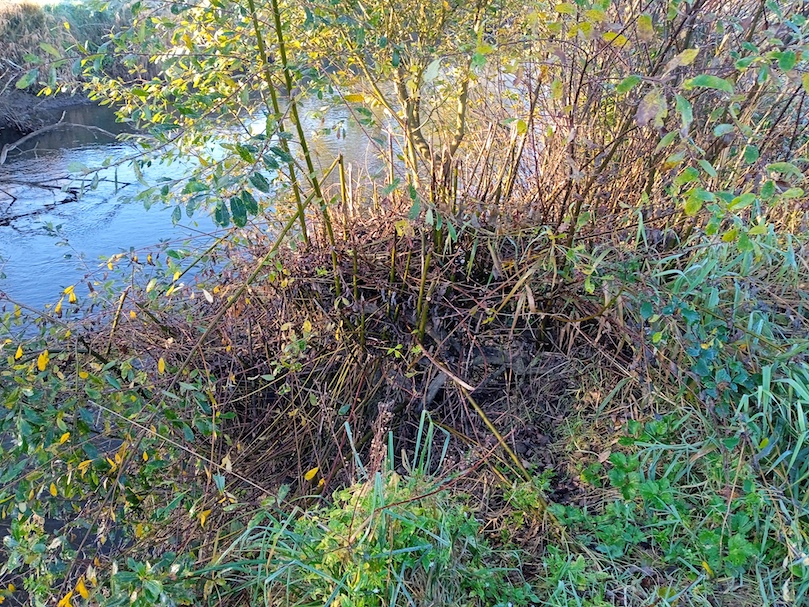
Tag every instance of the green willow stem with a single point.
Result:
(293, 108)
(276, 108)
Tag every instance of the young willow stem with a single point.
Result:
(307, 156)
(276, 108)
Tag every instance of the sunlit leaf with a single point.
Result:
(311, 474)
(615, 39)
(18, 353)
(161, 365)
(692, 205)
(710, 82)
(81, 588)
(42, 360)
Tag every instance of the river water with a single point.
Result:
(50, 238)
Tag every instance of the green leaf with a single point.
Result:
(688, 175)
(250, 203)
(416, 208)
(194, 185)
(260, 182)
(722, 129)
(785, 168)
(792, 193)
(683, 107)
(742, 202)
(221, 215)
(646, 310)
(627, 84)
(805, 82)
(786, 60)
(666, 141)
(245, 153)
(238, 211)
(281, 154)
(707, 167)
(703, 195)
(50, 49)
(28, 79)
(768, 189)
(176, 215)
(692, 206)
(750, 154)
(709, 82)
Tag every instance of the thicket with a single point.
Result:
(549, 349)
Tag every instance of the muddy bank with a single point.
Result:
(22, 113)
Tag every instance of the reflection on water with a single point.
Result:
(50, 237)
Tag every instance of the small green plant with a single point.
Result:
(387, 541)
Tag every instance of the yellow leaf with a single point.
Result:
(646, 31)
(82, 589)
(203, 516)
(18, 353)
(53, 490)
(307, 326)
(17, 311)
(161, 366)
(132, 314)
(12, 588)
(72, 297)
(707, 568)
(109, 265)
(176, 276)
(84, 466)
(58, 309)
(566, 8)
(84, 374)
(42, 360)
(311, 474)
(70, 289)
(64, 438)
(355, 98)
(145, 456)
(615, 39)
(65, 601)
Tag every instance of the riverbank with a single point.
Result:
(22, 113)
